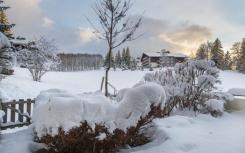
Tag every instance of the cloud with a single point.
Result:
(158, 34)
(187, 38)
(87, 34)
(47, 22)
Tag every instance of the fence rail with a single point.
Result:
(17, 113)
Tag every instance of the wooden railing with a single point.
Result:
(17, 113)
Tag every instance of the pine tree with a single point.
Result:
(236, 49)
(228, 61)
(106, 62)
(133, 64)
(5, 27)
(217, 54)
(128, 57)
(241, 60)
(123, 60)
(118, 60)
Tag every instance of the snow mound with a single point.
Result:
(1, 116)
(57, 108)
(215, 105)
(4, 41)
(137, 101)
(237, 91)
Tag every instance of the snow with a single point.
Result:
(215, 105)
(231, 79)
(101, 137)
(176, 134)
(159, 54)
(201, 134)
(4, 41)
(237, 91)
(57, 108)
(21, 86)
(1, 116)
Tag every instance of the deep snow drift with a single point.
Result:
(57, 108)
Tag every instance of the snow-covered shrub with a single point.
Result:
(188, 85)
(39, 57)
(215, 107)
(64, 121)
(6, 55)
(1, 116)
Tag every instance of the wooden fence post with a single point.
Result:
(12, 114)
(21, 109)
(102, 84)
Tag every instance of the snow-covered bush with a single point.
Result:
(6, 55)
(188, 85)
(1, 116)
(39, 57)
(64, 121)
(215, 107)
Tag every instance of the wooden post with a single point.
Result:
(12, 115)
(21, 109)
(102, 84)
(6, 114)
(29, 109)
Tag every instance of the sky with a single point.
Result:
(176, 25)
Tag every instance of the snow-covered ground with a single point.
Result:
(21, 86)
(176, 134)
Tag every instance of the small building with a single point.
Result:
(164, 59)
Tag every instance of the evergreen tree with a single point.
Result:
(241, 60)
(128, 57)
(123, 61)
(133, 64)
(106, 62)
(236, 49)
(5, 27)
(118, 60)
(228, 61)
(217, 54)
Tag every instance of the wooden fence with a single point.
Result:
(17, 113)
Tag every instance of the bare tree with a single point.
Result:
(115, 28)
(40, 57)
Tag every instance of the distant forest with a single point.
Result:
(79, 62)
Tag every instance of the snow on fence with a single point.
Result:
(17, 113)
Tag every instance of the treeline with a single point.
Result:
(231, 59)
(121, 60)
(79, 62)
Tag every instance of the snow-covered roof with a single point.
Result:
(154, 54)
(4, 41)
(175, 55)
(159, 54)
